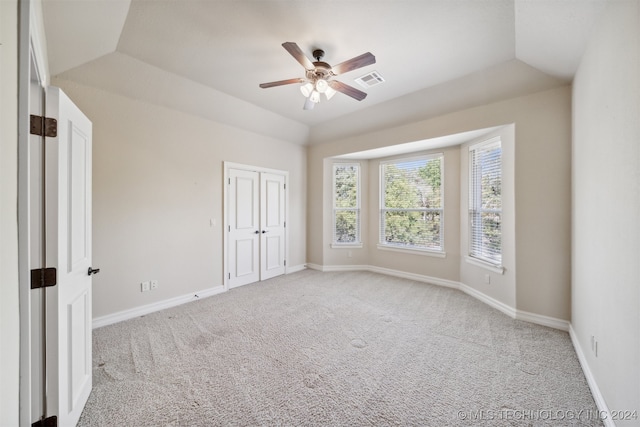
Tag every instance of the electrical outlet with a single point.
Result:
(487, 279)
(349, 254)
(154, 284)
(145, 286)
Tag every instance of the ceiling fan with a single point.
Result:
(318, 75)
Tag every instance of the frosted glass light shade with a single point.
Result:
(329, 92)
(315, 96)
(322, 86)
(306, 89)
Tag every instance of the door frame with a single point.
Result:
(31, 52)
(225, 210)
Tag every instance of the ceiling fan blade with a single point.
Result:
(354, 63)
(347, 90)
(308, 104)
(297, 53)
(281, 83)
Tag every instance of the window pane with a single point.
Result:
(346, 203)
(485, 201)
(410, 228)
(491, 235)
(346, 186)
(486, 235)
(491, 179)
(346, 226)
(413, 183)
(412, 189)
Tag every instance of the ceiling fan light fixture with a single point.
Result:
(329, 92)
(306, 89)
(315, 96)
(322, 85)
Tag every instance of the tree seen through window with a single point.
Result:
(346, 204)
(411, 205)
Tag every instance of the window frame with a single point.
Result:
(382, 244)
(475, 199)
(358, 240)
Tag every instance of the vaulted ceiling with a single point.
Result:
(207, 57)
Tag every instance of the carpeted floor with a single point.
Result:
(335, 349)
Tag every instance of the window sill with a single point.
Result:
(346, 245)
(486, 265)
(426, 252)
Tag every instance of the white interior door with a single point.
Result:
(243, 227)
(68, 249)
(272, 221)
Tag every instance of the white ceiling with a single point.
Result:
(208, 57)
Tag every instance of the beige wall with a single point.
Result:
(606, 206)
(157, 184)
(541, 188)
(9, 302)
(543, 204)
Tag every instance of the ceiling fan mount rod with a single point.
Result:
(318, 54)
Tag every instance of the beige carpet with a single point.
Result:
(335, 349)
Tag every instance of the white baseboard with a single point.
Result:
(512, 312)
(595, 390)
(328, 268)
(491, 302)
(414, 276)
(295, 268)
(312, 266)
(120, 316)
(540, 319)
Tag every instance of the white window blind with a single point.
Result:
(485, 201)
(411, 204)
(346, 203)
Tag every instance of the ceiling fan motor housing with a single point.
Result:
(322, 70)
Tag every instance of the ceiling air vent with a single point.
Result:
(371, 79)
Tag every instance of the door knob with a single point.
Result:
(265, 231)
(93, 271)
(257, 231)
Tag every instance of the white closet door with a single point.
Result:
(272, 221)
(244, 227)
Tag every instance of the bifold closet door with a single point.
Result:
(256, 226)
